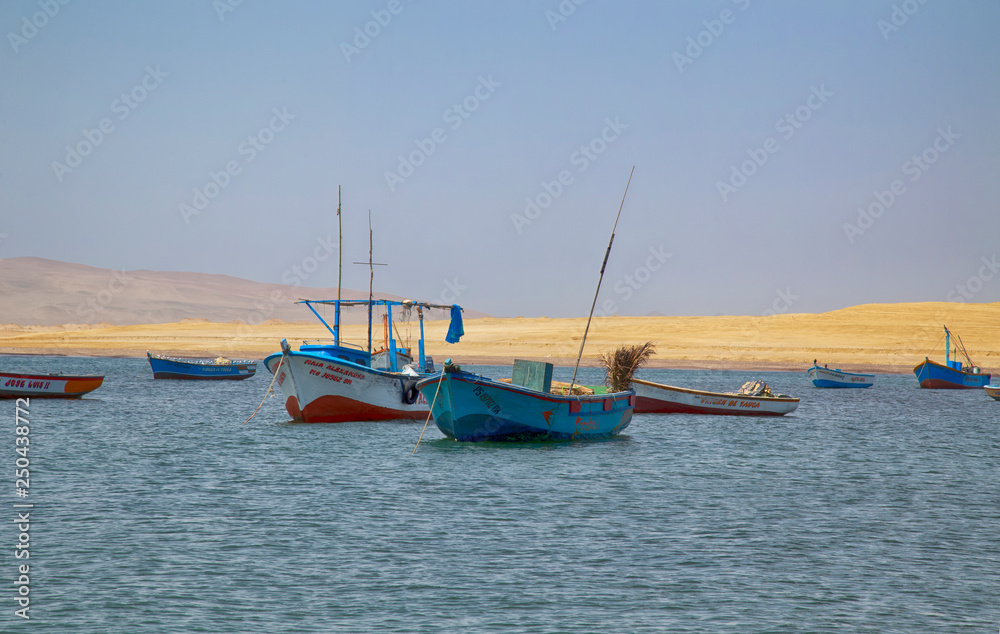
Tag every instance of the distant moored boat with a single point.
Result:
(825, 377)
(952, 375)
(993, 391)
(753, 399)
(204, 369)
(54, 385)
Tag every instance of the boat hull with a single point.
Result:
(47, 385)
(317, 388)
(469, 407)
(656, 398)
(993, 391)
(934, 376)
(825, 377)
(165, 368)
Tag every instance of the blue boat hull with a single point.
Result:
(177, 369)
(469, 407)
(825, 377)
(935, 376)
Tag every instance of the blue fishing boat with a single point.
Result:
(216, 369)
(952, 375)
(825, 377)
(471, 407)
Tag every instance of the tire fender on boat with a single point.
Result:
(410, 392)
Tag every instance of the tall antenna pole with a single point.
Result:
(371, 280)
(340, 248)
(599, 280)
(340, 264)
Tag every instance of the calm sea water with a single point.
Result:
(871, 510)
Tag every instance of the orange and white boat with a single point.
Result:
(55, 385)
(993, 391)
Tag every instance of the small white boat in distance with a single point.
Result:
(993, 391)
(825, 377)
(754, 399)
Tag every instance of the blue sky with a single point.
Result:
(758, 129)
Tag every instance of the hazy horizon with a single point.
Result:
(789, 158)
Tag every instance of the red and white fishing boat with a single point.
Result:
(753, 399)
(337, 382)
(334, 382)
(16, 385)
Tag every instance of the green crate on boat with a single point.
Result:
(535, 375)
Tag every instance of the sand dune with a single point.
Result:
(44, 292)
(877, 337)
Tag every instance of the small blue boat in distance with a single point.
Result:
(200, 369)
(825, 377)
(471, 407)
(952, 375)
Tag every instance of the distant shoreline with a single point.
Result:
(879, 338)
(659, 364)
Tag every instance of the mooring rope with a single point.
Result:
(269, 390)
(432, 409)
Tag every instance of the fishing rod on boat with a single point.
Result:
(599, 280)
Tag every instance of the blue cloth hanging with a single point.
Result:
(455, 329)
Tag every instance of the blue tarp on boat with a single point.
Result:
(455, 329)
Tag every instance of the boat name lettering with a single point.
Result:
(705, 400)
(487, 400)
(353, 375)
(333, 377)
(35, 385)
(586, 425)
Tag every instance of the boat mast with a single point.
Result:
(340, 270)
(599, 280)
(371, 279)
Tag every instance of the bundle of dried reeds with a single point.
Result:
(620, 364)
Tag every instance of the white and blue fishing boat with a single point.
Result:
(216, 369)
(332, 381)
(825, 377)
(471, 407)
(952, 375)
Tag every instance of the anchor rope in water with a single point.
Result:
(269, 390)
(433, 402)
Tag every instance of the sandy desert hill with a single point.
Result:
(206, 315)
(40, 292)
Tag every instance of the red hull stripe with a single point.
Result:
(941, 384)
(652, 406)
(340, 409)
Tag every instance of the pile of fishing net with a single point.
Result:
(754, 388)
